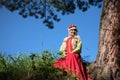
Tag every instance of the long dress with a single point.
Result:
(72, 63)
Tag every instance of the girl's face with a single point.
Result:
(72, 32)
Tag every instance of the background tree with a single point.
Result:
(46, 9)
(107, 66)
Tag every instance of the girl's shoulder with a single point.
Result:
(65, 39)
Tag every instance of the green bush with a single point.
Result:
(32, 67)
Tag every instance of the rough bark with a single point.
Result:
(107, 65)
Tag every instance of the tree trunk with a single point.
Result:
(107, 65)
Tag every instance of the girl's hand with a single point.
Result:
(71, 52)
(63, 57)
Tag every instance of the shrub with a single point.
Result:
(33, 67)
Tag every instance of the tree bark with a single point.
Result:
(107, 65)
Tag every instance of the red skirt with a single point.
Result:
(72, 64)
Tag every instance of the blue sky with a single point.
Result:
(19, 35)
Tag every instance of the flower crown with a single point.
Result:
(72, 27)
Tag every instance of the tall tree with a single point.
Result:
(107, 64)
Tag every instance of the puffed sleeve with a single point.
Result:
(62, 48)
(79, 45)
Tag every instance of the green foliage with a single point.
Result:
(13, 68)
(33, 67)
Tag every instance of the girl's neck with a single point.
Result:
(72, 36)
